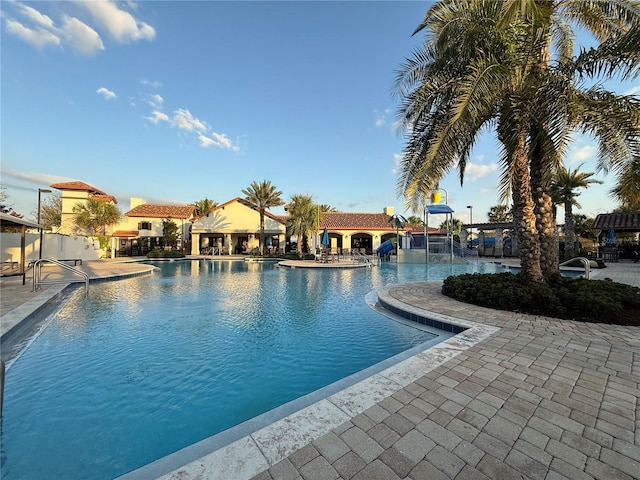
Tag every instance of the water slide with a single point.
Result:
(386, 247)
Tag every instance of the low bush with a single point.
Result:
(600, 301)
(165, 254)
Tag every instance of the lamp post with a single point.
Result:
(41, 191)
(470, 207)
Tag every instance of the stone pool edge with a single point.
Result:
(254, 453)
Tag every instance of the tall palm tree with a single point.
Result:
(468, 76)
(488, 64)
(94, 215)
(304, 218)
(262, 196)
(565, 183)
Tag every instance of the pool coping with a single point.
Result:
(261, 449)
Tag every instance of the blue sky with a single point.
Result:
(177, 101)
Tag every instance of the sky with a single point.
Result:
(177, 101)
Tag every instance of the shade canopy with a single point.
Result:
(439, 209)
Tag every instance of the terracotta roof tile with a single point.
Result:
(162, 211)
(94, 192)
(356, 221)
(629, 222)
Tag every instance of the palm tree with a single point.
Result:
(500, 214)
(304, 218)
(262, 196)
(470, 75)
(627, 192)
(94, 215)
(204, 205)
(564, 185)
(487, 64)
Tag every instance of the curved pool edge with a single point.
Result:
(229, 455)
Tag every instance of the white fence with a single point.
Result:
(55, 246)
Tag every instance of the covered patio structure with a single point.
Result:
(11, 223)
(619, 223)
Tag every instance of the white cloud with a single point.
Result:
(381, 118)
(582, 153)
(151, 83)
(40, 30)
(36, 17)
(107, 94)
(475, 171)
(156, 101)
(38, 37)
(397, 158)
(217, 140)
(184, 120)
(633, 90)
(120, 24)
(81, 36)
(158, 117)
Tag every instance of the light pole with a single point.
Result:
(470, 207)
(40, 191)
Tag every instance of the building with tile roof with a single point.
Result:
(77, 192)
(233, 227)
(142, 227)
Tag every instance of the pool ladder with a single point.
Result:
(37, 274)
(585, 262)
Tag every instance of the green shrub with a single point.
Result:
(570, 298)
(158, 253)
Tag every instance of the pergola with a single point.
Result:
(10, 222)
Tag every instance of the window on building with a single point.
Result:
(144, 226)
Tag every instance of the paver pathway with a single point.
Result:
(540, 399)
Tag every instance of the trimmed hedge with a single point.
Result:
(165, 254)
(600, 301)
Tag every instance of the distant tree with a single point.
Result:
(204, 205)
(455, 227)
(170, 233)
(262, 196)
(627, 192)
(326, 208)
(5, 207)
(564, 184)
(51, 212)
(583, 227)
(500, 214)
(415, 221)
(94, 215)
(303, 219)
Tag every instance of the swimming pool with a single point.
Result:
(147, 366)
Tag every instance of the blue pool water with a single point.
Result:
(146, 366)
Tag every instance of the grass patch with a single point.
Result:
(599, 301)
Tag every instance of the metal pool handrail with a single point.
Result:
(37, 274)
(585, 262)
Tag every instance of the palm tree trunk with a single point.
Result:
(261, 239)
(569, 230)
(545, 221)
(524, 214)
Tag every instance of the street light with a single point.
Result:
(41, 191)
(470, 207)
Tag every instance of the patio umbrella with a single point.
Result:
(325, 237)
(611, 237)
